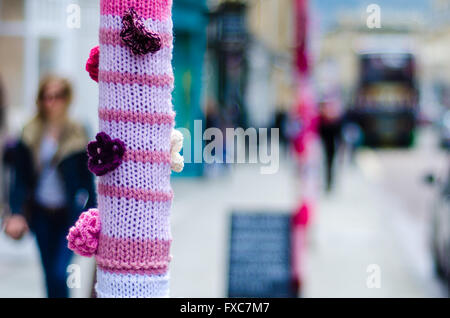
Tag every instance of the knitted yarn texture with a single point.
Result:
(136, 80)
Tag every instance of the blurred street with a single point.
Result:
(354, 97)
(369, 219)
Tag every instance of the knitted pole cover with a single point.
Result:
(132, 154)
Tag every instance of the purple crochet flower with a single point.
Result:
(105, 154)
(136, 36)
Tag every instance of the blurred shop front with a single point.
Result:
(227, 40)
(190, 18)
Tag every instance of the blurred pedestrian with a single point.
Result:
(2, 140)
(214, 119)
(2, 106)
(352, 134)
(50, 184)
(280, 122)
(330, 121)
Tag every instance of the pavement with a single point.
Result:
(364, 228)
(368, 238)
(378, 217)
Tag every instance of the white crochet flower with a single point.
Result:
(176, 144)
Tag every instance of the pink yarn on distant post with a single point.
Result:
(93, 62)
(83, 237)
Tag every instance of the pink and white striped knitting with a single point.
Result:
(134, 200)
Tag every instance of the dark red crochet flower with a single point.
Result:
(92, 63)
(136, 36)
(105, 154)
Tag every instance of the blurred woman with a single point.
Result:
(50, 184)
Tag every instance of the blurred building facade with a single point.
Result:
(272, 46)
(46, 36)
(428, 38)
(55, 36)
(268, 54)
(437, 41)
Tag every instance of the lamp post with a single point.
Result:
(129, 233)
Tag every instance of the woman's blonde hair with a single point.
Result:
(66, 92)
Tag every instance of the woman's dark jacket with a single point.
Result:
(22, 177)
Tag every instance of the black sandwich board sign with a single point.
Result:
(260, 256)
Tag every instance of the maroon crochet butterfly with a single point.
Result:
(135, 35)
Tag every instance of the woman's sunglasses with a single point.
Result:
(51, 97)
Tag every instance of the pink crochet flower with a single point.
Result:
(83, 237)
(92, 63)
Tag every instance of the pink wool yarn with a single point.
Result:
(135, 109)
(92, 63)
(83, 237)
